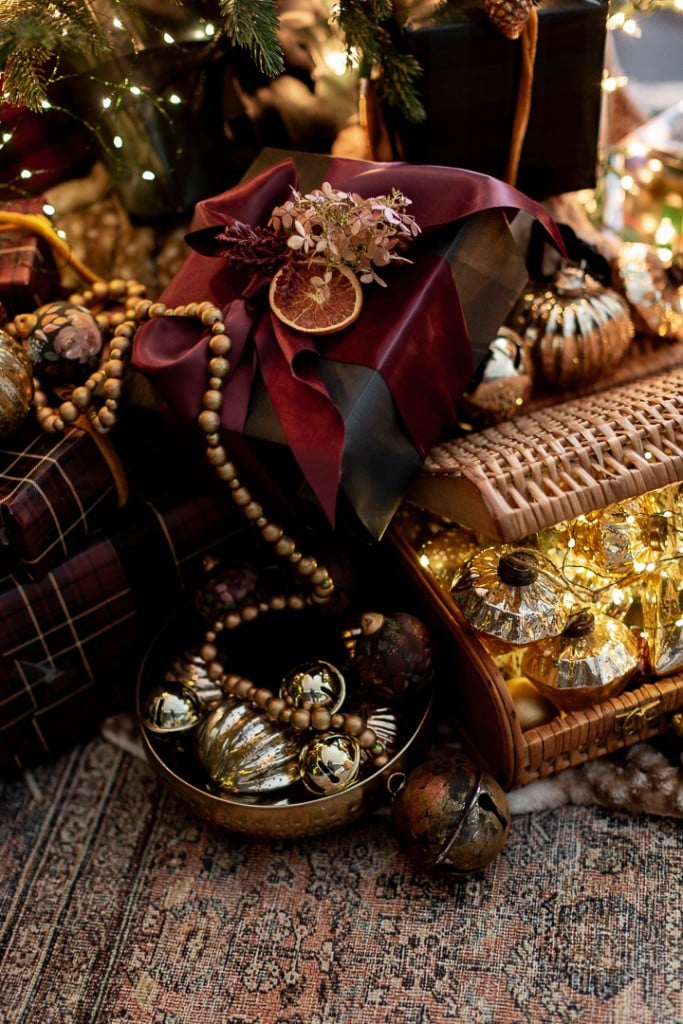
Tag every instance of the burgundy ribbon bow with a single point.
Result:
(412, 332)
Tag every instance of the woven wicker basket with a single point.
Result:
(511, 481)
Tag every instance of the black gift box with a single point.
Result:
(469, 86)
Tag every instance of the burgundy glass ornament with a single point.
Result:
(392, 654)
(229, 588)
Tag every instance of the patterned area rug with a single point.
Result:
(119, 907)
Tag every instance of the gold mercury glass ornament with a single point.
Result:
(171, 708)
(654, 288)
(577, 328)
(502, 384)
(242, 751)
(16, 385)
(329, 763)
(513, 595)
(593, 659)
(445, 554)
(662, 611)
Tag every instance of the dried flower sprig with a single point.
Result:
(342, 227)
(254, 249)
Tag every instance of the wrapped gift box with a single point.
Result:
(469, 85)
(70, 643)
(359, 411)
(56, 490)
(28, 274)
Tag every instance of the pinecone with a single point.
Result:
(509, 16)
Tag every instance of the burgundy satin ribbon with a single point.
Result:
(412, 332)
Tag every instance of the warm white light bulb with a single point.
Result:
(148, 175)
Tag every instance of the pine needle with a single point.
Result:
(253, 25)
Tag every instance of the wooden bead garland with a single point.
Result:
(319, 719)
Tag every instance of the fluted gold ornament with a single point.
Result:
(662, 619)
(513, 595)
(16, 385)
(593, 659)
(577, 328)
(242, 751)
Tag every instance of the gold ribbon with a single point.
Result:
(529, 42)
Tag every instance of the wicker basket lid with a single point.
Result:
(559, 462)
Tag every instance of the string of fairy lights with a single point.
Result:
(624, 17)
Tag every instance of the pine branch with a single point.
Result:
(33, 40)
(25, 75)
(368, 27)
(253, 25)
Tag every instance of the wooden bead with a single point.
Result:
(219, 367)
(249, 613)
(262, 697)
(214, 670)
(208, 652)
(115, 368)
(367, 739)
(209, 421)
(353, 725)
(81, 397)
(301, 719)
(217, 456)
(275, 707)
(320, 719)
(243, 687)
(68, 412)
(213, 399)
(241, 496)
(106, 418)
(226, 471)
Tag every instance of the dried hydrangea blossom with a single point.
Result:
(342, 227)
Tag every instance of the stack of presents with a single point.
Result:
(452, 417)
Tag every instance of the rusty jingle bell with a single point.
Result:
(451, 816)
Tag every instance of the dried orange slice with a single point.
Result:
(314, 298)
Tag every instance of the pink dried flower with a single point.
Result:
(342, 227)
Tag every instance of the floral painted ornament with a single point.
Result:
(61, 338)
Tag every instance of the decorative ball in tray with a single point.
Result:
(305, 727)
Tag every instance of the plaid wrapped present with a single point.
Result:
(57, 489)
(71, 642)
(28, 274)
